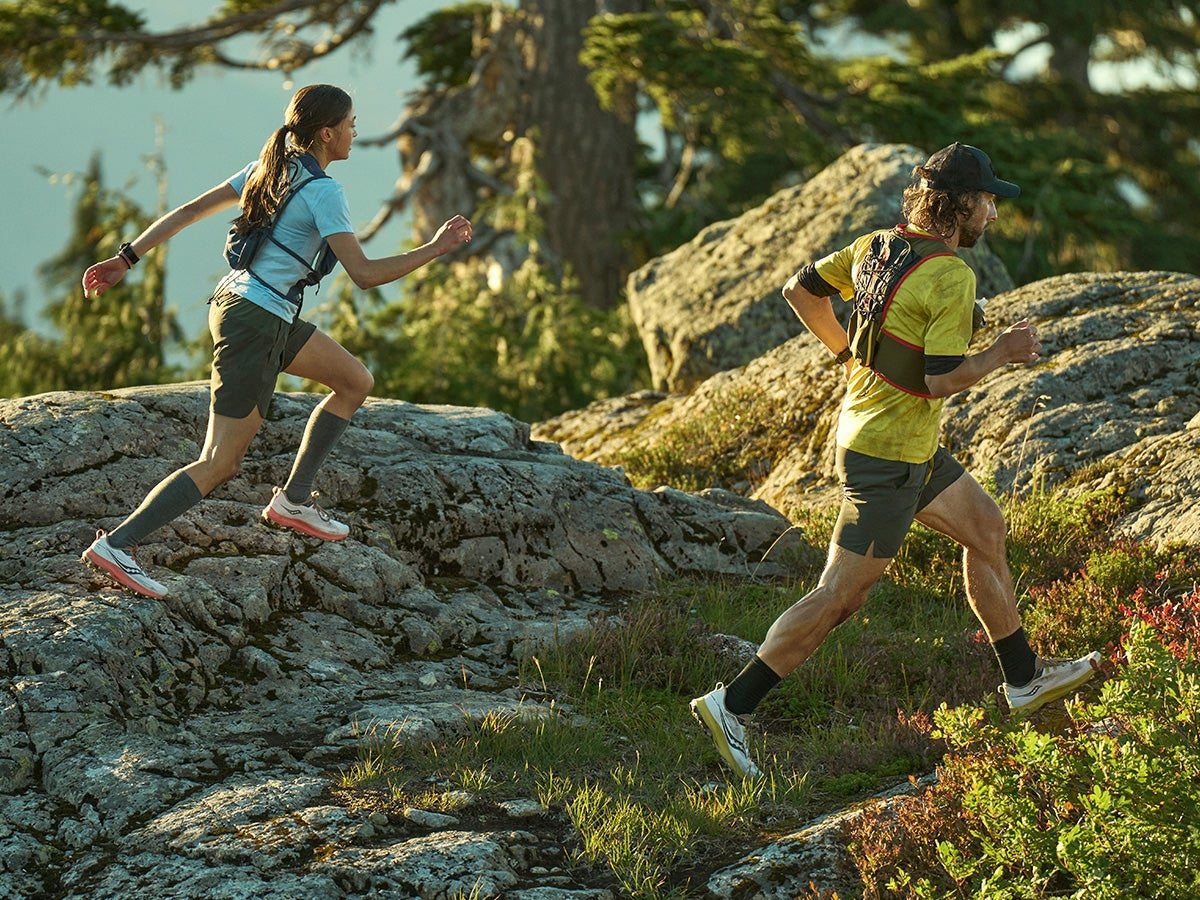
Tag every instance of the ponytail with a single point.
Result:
(312, 108)
(267, 184)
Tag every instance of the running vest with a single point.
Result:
(242, 246)
(891, 258)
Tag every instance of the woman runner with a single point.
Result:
(255, 324)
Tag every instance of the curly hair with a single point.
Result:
(938, 212)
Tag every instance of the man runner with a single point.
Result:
(905, 351)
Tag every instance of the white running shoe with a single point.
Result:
(306, 518)
(727, 730)
(122, 568)
(1054, 678)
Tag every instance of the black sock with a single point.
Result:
(1018, 662)
(746, 691)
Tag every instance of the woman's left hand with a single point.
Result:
(103, 275)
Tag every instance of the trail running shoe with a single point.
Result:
(306, 518)
(1054, 679)
(121, 567)
(727, 730)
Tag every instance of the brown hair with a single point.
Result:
(938, 212)
(312, 108)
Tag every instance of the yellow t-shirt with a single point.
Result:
(932, 310)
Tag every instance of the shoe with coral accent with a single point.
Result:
(121, 567)
(726, 730)
(306, 518)
(1055, 678)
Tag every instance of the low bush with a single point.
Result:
(1104, 806)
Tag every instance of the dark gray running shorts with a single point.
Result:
(250, 348)
(881, 497)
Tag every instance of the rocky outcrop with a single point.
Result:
(185, 747)
(714, 303)
(1116, 394)
(1162, 477)
(814, 855)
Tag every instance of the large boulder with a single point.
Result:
(714, 303)
(1116, 395)
(184, 747)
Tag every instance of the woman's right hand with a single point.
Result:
(453, 233)
(103, 275)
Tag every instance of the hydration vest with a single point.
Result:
(242, 247)
(892, 257)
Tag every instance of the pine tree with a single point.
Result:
(115, 340)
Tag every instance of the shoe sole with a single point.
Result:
(1056, 694)
(705, 717)
(115, 573)
(274, 518)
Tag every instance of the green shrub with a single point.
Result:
(1052, 534)
(1105, 808)
(1072, 615)
(531, 349)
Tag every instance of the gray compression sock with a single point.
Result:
(323, 431)
(171, 498)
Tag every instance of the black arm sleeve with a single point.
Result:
(942, 365)
(814, 283)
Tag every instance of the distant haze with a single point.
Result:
(213, 127)
(219, 121)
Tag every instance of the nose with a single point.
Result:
(991, 211)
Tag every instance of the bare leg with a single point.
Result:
(324, 360)
(965, 513)
(842, 590)
(225, 445)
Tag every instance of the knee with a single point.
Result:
(366, 383)
(992, 532)
(847, 600)
(357, 385)
(221, 468)
(854, 601)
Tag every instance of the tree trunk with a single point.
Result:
(1070, 59)
(584, 154)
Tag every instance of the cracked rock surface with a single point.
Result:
(714, 303)
(1115, 397)
(185, 747)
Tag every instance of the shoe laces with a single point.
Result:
(132, 554)
(312, 501)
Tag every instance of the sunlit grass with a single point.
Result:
(606, 739)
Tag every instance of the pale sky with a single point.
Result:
(213, 127)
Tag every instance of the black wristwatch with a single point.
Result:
(843, 357)
(125, 251)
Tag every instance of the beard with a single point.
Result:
(969, 233)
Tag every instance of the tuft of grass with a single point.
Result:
(1052, 534)
(737, 441)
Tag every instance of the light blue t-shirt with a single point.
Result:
(315, 212)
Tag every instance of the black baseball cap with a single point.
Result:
(962, 168)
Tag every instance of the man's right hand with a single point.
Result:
(1019, 343)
